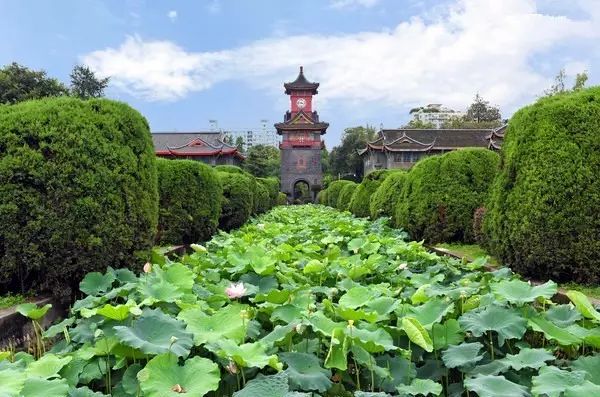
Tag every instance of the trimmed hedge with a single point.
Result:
(78, 191)
(237, 202)
(361, 199)
(543, 216)
(333, 191)
(230, 168)
(190, 201)
(345, 196)
(383, 201)
(441, 194)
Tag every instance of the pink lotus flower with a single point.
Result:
(235, 291)
(147, 267)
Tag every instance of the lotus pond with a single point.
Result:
(308, 301)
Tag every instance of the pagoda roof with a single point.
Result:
(424, 140)
(302, 121)
(301, 84)
(192, 144)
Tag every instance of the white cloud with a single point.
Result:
(484, 46)
(172, 15)
(352, 3)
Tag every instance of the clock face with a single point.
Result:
(301, 103)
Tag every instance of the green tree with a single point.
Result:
(263, 161)
(19, 83)
(481, 111)
(344, 159)
(580, 80)
(419, 124)
(85, 84)
(559, 84)
(239, 143)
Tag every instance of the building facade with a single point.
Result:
(255, 136)
(301, 143)
(402, 148)
(207, 147)
(434, 113)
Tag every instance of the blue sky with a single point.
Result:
(184, 62)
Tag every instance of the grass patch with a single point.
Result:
(469, 251)
(474, 251)
(11, 300)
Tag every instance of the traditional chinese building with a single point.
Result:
(401, 148)
(301, 131)
(207, 147)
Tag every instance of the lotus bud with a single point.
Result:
(350, 323)
(299, 328)
(312, 307)
(231, 368)
(178, 389)
(244, 314)
(260, 226)
(147, 267)
(402, 266)
(198, 248)
(334, 291)
(173, 339)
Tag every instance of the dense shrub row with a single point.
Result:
(543, 217)
(441, 194)
(81, 189)
(78, 191)
(435, 201)
(361, 198)
(190, 201)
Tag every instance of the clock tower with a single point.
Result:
(301, 144)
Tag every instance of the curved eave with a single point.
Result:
(301, 127)
(427, 148)
(293, 86)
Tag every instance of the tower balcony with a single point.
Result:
(311, 144)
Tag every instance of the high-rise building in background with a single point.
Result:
(434, 113)
(261, 135)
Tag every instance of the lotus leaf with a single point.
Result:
(36, 387)
(497, 386)
(305, 372)
(589, 365)
(226, 322)
(248, 354)
(32, 311)
(583, 304)
(338, 350)
(11, 382)
(562, 315)
(506, 322)
(553, 381)
(163, 376)
(520, 292)
(96, 283)
(47, 366)
(85, 392)
(155, 332)
(463, 354)
(448, 333)
(416, 333)
(271, 386)
(528, 358)
(553, 332)
(421, 387)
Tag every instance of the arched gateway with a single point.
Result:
(301, 145)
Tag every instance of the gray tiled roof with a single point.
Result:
(176, 140)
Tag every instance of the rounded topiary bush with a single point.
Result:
(190, 201)
(543, 216)
(78, 191)
(345, 196)
(281, 198)
(233, 169)
(272, 185)
(333, 191)
(441, 194)
(383, 201)
(322, 197)
(261, 197)
(361, 199)
(237, 200)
